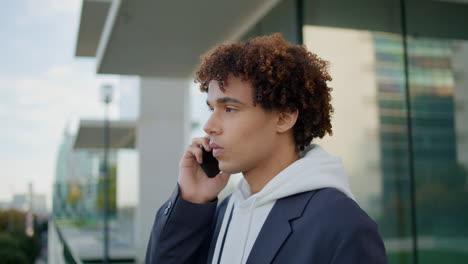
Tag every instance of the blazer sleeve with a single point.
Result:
(361, 244)
(181, 232)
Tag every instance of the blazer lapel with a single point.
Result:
(277, 227)
(220, 211)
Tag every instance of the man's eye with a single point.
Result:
(227, 109)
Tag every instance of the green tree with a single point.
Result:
(10, 251)
(15, 245)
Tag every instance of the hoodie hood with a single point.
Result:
(315, 169)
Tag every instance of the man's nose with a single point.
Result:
(212, 125)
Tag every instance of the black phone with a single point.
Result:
(209, 164)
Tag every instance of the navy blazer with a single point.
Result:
(319, 226)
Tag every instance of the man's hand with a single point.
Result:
(195, 186)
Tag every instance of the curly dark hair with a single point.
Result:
(285, 77)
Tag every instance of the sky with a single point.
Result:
(43, 89)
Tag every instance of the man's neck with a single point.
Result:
(259, 176)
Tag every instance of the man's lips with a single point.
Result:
(217, 152)
(216, 149)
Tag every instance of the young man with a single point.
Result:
(268, 99)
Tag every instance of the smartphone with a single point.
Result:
(209, 164)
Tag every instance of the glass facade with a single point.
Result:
(78, 188)
(438, 95)
(284, 18)
(400, 93)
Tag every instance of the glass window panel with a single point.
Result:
(363, 43)
(282, 18)
(438, 86)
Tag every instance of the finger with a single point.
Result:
(206, 144)
(201, 141)
(195, 152)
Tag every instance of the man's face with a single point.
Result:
(245, 134)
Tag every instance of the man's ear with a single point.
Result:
(286, 120)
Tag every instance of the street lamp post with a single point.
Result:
(106, 93)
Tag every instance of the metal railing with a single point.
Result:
(59, 251)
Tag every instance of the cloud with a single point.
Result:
(46, 103)
(40, 108)
(47, 8)
(61, 86)
(34, 113)
(60, 71)
(37, 11)
(42, 88)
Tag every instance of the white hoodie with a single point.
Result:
(315, 169)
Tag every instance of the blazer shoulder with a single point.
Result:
(336, 208)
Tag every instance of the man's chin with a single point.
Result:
(228, 168)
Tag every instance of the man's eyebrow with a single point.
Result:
(224, 100)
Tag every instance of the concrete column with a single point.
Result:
(162, 133)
